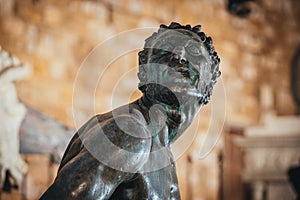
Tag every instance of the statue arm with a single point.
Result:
(84, 177)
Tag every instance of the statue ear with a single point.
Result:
(143, 77)
(143, 70)
(143, 56)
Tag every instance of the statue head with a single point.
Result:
(178, 59)
(178, 68)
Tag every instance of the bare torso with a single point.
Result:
(81, 174)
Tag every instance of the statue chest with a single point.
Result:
(159, 184)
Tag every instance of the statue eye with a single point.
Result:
(163, 46)
(167, 47)
(193, 50)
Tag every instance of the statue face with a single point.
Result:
(180, 64)
(179, 74)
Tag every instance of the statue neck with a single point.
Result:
(162, 119)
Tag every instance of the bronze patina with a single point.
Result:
(125, 153)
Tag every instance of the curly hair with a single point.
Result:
(206, 41)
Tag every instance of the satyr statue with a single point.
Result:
(125, 153)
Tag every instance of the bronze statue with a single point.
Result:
(125, 153)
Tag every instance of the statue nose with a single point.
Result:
(179, 52)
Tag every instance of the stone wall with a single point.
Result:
(55, 36)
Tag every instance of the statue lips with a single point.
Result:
(179, 68)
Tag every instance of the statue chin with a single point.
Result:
(159, 94)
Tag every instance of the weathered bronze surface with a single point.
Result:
(125, 153)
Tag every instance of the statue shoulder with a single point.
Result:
(121, 141)
(128, 131)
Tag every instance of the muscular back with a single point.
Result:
(85, 173)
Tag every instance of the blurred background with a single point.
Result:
(242, 144)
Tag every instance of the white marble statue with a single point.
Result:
(12, 113)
